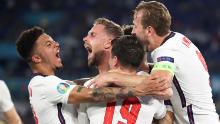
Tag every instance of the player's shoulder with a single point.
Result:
(176, 35)
(41, 81)
(48, 77)
(2, 83)
(172, 43)
(176, 40)
(3, 86)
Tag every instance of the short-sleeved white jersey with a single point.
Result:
(191, 85)
(5, 100)
(137, 110)
(48, 98)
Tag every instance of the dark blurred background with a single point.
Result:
(68, 21)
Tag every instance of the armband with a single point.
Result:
(167, 66)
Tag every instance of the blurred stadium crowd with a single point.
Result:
(68, 22)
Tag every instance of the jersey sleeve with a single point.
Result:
(161, 111)
(163, 54)
(5, 101)
(57, 90)
(164, 59)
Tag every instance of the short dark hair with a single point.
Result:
(26, 41)
(111, 27)
(127, 29)
(129, 51)
(155, 14)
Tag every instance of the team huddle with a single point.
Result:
(173, 90)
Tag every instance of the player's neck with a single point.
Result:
(103, 65)
(161, 39)
(129, 71)
(44, 70)
(103, 68)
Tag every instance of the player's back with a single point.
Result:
(191, 86)
(132, 110)
(135, 110)
(46, 110)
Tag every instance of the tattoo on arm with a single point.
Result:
(103, 94)
(111, 94)
(124, 94)
(80, 88)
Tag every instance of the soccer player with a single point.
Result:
(50, 96)
(98, 44)
(144, 66)
(100, 36)
(7, 106)
(174, 54)
(126, 55)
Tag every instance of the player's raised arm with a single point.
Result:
(80, 94)
(118, 79)
(164, 70)
(144, 85)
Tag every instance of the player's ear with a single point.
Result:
(35, 58)
(115, 61)
(149, 30)
(108, 44)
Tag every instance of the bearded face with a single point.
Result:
(94, 44)
(140, 32)
(96, 58)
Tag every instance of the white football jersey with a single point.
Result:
(48, 98)
(136, 110)
(192, 98)
(5, 100)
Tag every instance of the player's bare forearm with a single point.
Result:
(12, 116)
(164, 94)
(152, 86)
(111, 93)
(128, 80)
(117, 79)
(164, 91)
(146, 86)
(143, 85)
(82, 94)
